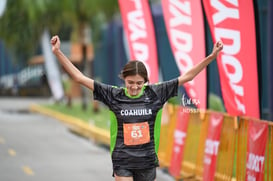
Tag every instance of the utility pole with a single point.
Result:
(85, 41)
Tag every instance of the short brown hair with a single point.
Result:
(134, 67)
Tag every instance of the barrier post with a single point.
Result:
(241, 149)
(191, 145)
(252, 160)
(270, 153)
(165, 124)
(226, 153)
(168, 138)
(201, 146)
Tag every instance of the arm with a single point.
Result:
(68, 66)
(195, 70)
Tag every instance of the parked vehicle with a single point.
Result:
(30, 81)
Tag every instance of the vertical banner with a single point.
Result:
(52, 69)
(185, 29)
(139, 29)
(180, 134)
(256, 144)
(233, 23)
(212, 145)
(3, 4)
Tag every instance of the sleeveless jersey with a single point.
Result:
(135, 122)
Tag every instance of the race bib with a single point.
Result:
(136, 133)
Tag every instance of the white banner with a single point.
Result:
(2, 6)
(52, 68)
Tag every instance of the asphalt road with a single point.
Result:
(36, 147)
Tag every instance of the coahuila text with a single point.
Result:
(136, 112)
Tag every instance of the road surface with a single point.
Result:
(36, 147)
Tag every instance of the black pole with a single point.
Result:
(270, 58)
(83, 64)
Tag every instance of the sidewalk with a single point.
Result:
(76, 125)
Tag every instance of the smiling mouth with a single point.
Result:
(134, 92)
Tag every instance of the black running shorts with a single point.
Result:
(137, 174)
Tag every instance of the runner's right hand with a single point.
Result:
(55, 43)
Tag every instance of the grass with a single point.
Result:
(100, 119)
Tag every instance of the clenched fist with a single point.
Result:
(218, 46)
(55, 43)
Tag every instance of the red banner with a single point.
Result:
(212, 145)
(185, 28)
(233, 23)
(139, 29)
(180, 134)
(256, 144)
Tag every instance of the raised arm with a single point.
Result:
(191, 73)
(68, 66)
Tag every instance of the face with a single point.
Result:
(134, 84)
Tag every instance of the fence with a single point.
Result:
(231, 161)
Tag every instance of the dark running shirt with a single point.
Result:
(145, 107)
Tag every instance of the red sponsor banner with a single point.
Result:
(139, 29)
(185, 28)
(233, 23)
(256, 144)
(212, 145)
(180, 134)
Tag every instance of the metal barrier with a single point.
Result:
(166, 136)
(226, 152)
(192, 144)
(269, 154)
(201, 147)
(225, 158)
(242, 150)
(232, 152)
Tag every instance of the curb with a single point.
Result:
(77, 125)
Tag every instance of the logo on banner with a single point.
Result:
(257, 135)
(179, 140)
(212, 145)
(255, 162)
(211, 149)
(180, 135)
(187, 104)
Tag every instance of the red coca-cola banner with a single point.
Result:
(233, 22)
(185, 28)
(256, 144)
(180, 134)
(139, 29)
(212, 145)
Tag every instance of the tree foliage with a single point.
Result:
(24, 21)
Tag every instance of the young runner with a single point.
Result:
(135, 112)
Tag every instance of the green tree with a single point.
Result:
(24, 21)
